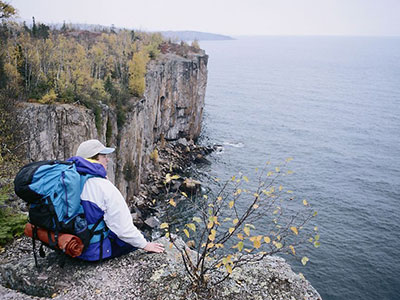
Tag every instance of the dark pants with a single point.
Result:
(119, 247)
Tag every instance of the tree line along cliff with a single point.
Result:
(59, 87)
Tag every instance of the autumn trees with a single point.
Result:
(6, 10)
(71, 65)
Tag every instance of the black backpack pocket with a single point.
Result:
(43, 216)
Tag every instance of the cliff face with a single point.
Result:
(172, 106)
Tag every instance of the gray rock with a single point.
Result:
(182, 142)
(152, 222)
(141, 275)
(172, 107)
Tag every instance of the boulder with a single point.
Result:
(190, 186)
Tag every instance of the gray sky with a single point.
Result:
(231, 17)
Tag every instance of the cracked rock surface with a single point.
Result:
(140, 275)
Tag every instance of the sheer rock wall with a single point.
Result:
(172, 106)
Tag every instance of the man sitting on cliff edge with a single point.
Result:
(103, 204)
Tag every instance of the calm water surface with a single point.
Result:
(333, 104)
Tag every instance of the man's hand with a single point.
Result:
(154, 247)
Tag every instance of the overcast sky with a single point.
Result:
(231, 17)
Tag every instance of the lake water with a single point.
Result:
(333, 104)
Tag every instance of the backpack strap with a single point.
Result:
(101, 247)
(34, 237)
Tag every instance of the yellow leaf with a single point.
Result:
(317, 244)
(205, 196)
(316, 237)
(210, 224)
(255, 206)
(315, 213)
(240, 246)
(278, 245)
(294, 229)
(192, 226)
(289, 192)
(219, 198)
(167, 178)
(167, 235)
(288, 159)
(227, 219)
(175, 177)
(316, 228)
(231, 203)
(267, 239)
(250, 225)
(239, 191)
(184, 194)
(289, 172)
(172, 202)
(248, 250)
(197, 219)
(231, 230)
(310, 239)
(277, 169)
(301, 275)
(164, 225)
(269, 174)
(171, 245)
(257, 244)
(235, 221)
(240, 236)
(292, 248)
(280, 188)
(219, 246)
(211, 237)
(228, 268)
(186, 232)
(246, 230)
(191, 243)
(304, 260)
(210, 245)
(233, 178)
(256, 195)
(245, 178)
(305, 202)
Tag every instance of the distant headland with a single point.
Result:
(194, 35)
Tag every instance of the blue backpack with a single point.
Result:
(53, 189)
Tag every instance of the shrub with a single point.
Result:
(223, 233)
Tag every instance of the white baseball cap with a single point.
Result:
(90, 148)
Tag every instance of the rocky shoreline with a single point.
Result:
(172, 158)
(140, 275)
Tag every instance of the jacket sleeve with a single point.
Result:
(118, 218)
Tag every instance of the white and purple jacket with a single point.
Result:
(101, 200)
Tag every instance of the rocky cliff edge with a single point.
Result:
(141, 275)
